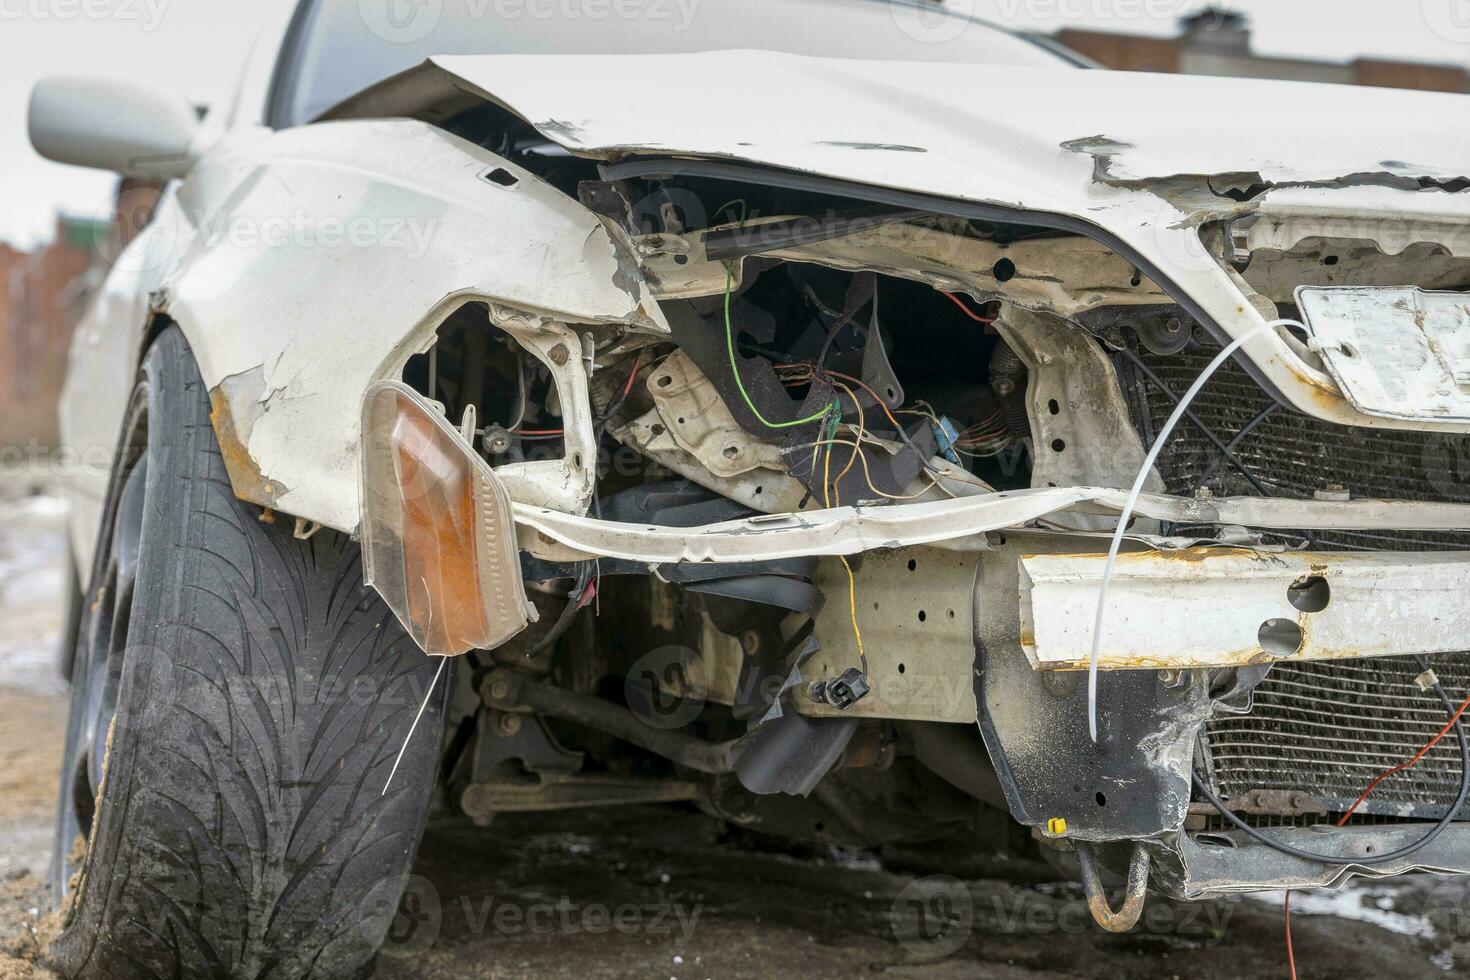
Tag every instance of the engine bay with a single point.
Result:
(823, 356)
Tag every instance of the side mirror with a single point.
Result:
(111, 124)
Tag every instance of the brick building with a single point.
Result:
(1217, 42)
(45, 295)
(11, 262)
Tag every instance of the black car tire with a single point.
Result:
(238, 701)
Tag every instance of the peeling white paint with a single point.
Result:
(319, 317)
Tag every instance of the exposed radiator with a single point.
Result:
(1295, 455)
(1327, 729)
(1321, 729)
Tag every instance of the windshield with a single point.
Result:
(344, 46)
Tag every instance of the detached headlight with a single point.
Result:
(438, 536)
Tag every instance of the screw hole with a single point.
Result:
(681, 260)
(1004, 270)
(1101, 800)
(665, 381)
(901, 668)
(1053, 407)
(1310, 594)
(1057, 445)
(913, 565)
(1280, 637)
(923, 615)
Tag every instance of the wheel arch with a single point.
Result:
(289, 333)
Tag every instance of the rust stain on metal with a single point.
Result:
(1187, 555)
(1244, 657)
(246, 479)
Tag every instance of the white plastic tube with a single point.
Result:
(1127, 515)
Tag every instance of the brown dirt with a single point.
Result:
(31, 730)
(539, 895)
(755, 909)
(23, 928)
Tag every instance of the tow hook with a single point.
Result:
(1097, 900)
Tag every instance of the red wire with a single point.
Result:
(637, 361)
(633, 374)
(1290, 954)
(1401, 767)
(969, 312)
(1406, 765)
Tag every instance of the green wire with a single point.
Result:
(835, 406)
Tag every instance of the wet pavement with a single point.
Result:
(668, 892)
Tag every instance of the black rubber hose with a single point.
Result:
(568, 612)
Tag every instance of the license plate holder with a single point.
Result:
(1396, 352)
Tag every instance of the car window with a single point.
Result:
(340, 47)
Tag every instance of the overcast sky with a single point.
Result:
(197, 46)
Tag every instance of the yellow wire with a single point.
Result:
(868, 474)
(857, 451)
(851, 579)
(852, 609)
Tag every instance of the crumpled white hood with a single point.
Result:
(1097, 147)
(1031, 137)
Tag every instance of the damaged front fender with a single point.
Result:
(315, 261)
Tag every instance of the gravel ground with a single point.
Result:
(664, 892)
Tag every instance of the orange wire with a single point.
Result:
(864, 385)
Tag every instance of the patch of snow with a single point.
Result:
(1371, 903)
(32, 584)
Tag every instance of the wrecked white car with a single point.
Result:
(836, 431)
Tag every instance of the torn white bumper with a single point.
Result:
(1228, 607)
(555, 536)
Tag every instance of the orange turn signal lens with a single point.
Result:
(438, 535)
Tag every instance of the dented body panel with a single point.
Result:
(1128, 153)
(303, 265)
